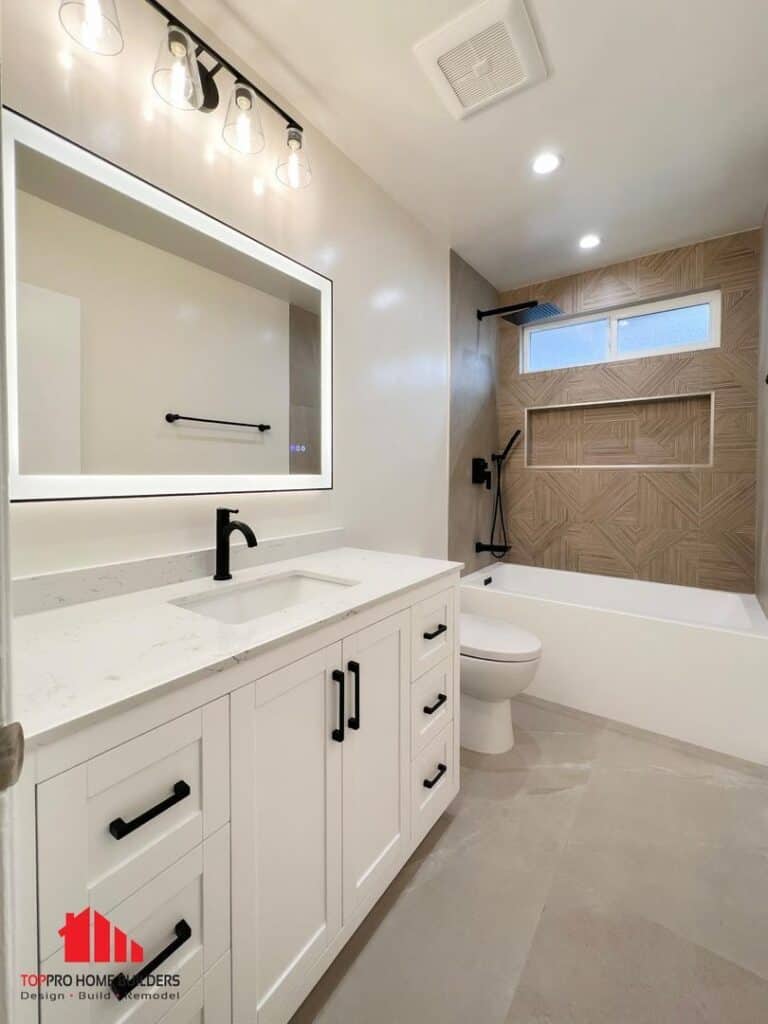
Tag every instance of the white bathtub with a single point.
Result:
(681, 661)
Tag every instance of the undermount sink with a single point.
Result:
(238, 603)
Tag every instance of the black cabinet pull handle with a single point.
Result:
(442, 628)
(441, 770)
(338, 677)
(120, 828)
(354, 668)
(430, 709)
(122, 985)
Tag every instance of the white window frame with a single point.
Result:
(711, 298)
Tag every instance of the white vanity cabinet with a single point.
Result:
(262, 809)
(320, 807)
(286, 771)
(375, 761)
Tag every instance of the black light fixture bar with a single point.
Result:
(223, 62)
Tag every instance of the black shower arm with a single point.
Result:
(510, 445)
(503, 310)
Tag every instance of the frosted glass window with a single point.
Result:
(681, 324)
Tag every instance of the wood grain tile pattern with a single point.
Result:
(692, 527)
(663, 432)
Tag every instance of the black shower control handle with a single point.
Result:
(442, 628)
(338, 677)
(430, 709)
(120, 828)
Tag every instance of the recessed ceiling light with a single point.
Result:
(589, 241)
(545, 163)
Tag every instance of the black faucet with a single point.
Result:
(224, 530)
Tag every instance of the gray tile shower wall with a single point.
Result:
(692, 526)
(762, 431)
(474, 427)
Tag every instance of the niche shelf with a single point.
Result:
(662, 432)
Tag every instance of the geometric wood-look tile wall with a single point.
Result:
(689, 526)
(673, 432)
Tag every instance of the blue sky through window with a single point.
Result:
(670, 328)
(569, 345)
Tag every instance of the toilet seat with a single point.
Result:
(496, 640)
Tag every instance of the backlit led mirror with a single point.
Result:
(151, 348)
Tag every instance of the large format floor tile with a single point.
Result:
(586, 877)
(593, 962)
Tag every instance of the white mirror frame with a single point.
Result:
(29, 487)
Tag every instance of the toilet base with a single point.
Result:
(486, 726)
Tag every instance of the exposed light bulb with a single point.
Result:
(293, 169)
(176, 78)
(94, 24)
(590, 241)
(242, 126)
(546, 163)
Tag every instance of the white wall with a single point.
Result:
(158, 334)
(49, 369)
(390, 298)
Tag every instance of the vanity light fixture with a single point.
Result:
(94, 24)
(590, 241)
(182, 79)
(293, 169)
(176, 78)
(242, 128)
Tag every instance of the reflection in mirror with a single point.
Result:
(146, 347)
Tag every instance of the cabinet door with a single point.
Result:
(376, 757)
(286, 822)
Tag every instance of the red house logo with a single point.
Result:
(90, 938)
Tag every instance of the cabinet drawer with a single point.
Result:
(435, 765)
(108, 826)
(432, 632)
(209, 1001)
(431, 705)
(184, 911)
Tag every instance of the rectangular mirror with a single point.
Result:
(151, 348)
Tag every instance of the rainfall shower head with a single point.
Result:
(522, 313)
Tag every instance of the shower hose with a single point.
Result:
(498, 512)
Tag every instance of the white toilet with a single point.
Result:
(498, 661)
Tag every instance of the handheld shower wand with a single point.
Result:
(498, 550)
(510, 445)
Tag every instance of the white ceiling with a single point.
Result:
(659, 108)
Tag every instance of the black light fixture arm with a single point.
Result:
(222, 62)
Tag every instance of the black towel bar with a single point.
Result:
(171, 417)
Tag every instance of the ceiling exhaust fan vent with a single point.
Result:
(483, 55)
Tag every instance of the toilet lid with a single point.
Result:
(496, 640)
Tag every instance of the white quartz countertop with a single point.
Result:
(73, 664)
